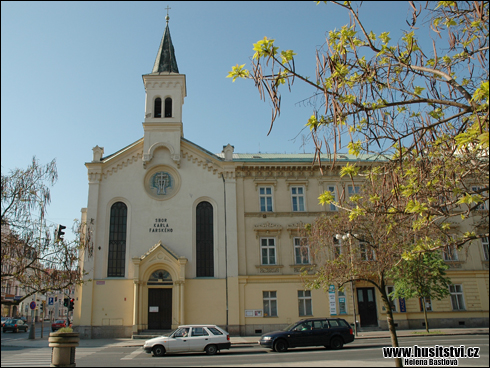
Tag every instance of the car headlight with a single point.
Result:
(266, 338)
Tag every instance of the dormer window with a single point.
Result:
(158, 108)
(168, 107)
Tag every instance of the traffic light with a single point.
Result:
(66, 302)
(41, 307)
(71, 304)
(59, 233)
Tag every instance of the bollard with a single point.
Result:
(63, 346)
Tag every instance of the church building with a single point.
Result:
(185, 236)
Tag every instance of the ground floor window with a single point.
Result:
(270, 303)
(428, 304)
(457, 299)
(304, 302)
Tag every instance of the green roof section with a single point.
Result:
(166, 61)
(300, 157)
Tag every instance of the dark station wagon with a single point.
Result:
(329, 332)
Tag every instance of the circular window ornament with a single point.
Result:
(162, 182)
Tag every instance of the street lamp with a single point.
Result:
(344, 237)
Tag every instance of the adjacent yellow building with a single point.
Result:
(182, 235)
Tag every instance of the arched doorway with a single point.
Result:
(160, 285)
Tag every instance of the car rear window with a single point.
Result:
(343, 323)
(215, 331)
(334, 323)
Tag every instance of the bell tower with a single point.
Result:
(165, 92)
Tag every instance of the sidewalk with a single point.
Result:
(6, 341)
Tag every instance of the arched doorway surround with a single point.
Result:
(159, 258)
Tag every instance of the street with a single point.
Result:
(363, 352)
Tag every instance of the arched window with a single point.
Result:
(168, 107)
(204, 240)
(158, 108)
(117, 240)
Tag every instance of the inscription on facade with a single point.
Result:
(161, 226)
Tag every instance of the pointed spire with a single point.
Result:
(165, 61)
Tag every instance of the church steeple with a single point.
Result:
(165, 61)
(165, 93)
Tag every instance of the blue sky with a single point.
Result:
(71, 77)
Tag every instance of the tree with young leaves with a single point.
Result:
(365, 249)
(30, 257)
(422, 277)
(423, 107)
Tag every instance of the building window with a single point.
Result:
(270, 303)
(117, 240)
(268, 251)
(337, 247)
(331, 189)
(428, 304)
(158, 108)
(298, 198)
(265, 195)
(352, 190)
(450, 253)
(393, 304)
(204, 240)
(168, 107)
(457, 299)
(304, 302)
(484, 243)
(301, 251)
(366, 252)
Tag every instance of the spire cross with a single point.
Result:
(167, 9)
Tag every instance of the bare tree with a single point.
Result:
(30, 256)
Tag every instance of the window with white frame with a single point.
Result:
(352, 190)
(265, 196)
(333, 190)
(393, 303)
(366, 252)
(270, 303)
(457, 298)
(484, 243)
(450, 253)
(304, 303)
(298, 198)
(268, 251)
(428, 304)
(301, 251)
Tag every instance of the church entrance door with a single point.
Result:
(159, 309)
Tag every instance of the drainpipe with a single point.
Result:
(226, 252)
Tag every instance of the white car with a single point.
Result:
(208, 338)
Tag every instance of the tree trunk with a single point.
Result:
(391, 323)
(425, 316)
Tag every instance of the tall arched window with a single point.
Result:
(204, 240)
(117, 240)
(158, 108)
(168, 107)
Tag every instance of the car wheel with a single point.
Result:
(158, 350)
(336, 343)
(211, 349)
(280, 346)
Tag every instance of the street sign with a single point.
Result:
(50, 300)
(33, 305)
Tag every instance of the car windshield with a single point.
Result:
(291, 326)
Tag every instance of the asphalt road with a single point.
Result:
(361, 353)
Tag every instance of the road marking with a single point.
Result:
(133, 354)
